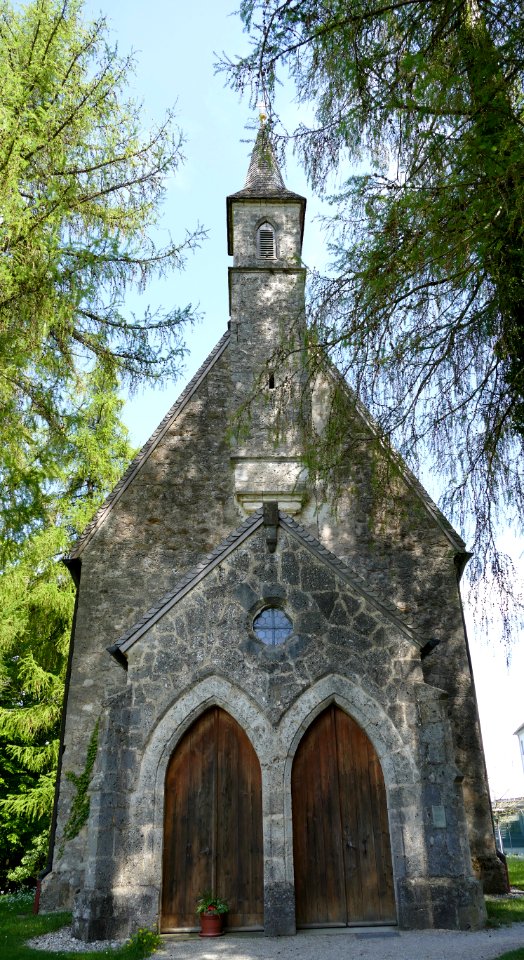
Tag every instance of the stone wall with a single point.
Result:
(178, 506)
(343, 649)
(284, 216)
(187, 494)
(376, 516)
(181, 503)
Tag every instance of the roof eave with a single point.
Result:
(120, 648)
(246, 196)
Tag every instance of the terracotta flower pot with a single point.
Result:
(211, 924)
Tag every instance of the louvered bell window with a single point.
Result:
(266, 242)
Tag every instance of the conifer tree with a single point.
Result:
(81, 186)
(424, 305)
(36, 607)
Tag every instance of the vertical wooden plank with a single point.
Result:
(213, 823)
(317, 842)
(329, 812)
(226, 880)
(382, 843)
(214, 810)
(249, 818)
(369, 875)
(174, 841)
(188, 832)
(369, 906)
(349, 773)
(240, 856)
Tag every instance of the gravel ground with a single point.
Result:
(62, 940)
(409, 945)
(313, 945)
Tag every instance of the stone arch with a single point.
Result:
(147, 802)
(398, 760)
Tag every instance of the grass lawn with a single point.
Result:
(18, 924)
(509, 911)
(504, 910)
(516, 872)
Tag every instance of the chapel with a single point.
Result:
(269, 690)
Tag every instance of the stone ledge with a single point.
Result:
(290, 503)
(441, 903)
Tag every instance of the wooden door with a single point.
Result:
(213, 824)
(341, 847)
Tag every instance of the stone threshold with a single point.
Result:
(361, 932)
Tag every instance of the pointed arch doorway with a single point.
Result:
(341, 847)
(213, 824)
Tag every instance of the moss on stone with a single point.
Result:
(79, 812)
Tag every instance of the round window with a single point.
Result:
(272, 626)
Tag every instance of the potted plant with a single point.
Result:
(212, 911)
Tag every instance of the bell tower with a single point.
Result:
(265, 224)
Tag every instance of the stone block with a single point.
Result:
(114, 914)
(279, 910)
(442, 903)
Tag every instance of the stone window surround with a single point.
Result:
(276, 629)
(261, 224)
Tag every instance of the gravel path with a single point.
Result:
(62, 940)
(409, 945)
(312, 945)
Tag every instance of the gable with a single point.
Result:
(142, 458)
(206, 628)
(329, 381)
(166, 425)
(321, 577)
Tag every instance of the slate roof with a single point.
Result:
(264, 177)
(264, 181)
(227, 546)
(264, 174)
(155, 438)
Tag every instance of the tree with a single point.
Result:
(424, 308)
(80, 195)
(36, 607)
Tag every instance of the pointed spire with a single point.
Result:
(264, 182)
(264, 176)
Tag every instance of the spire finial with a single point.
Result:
(264, 172)
(262, 112)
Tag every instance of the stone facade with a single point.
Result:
(212, 524)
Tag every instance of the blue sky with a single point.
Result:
(175, 45)
(176, 48)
